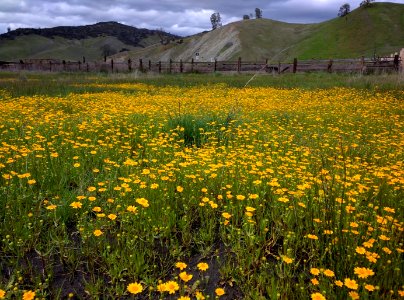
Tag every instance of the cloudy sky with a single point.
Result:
(182, 17)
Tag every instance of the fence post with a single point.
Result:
(171, 65)
(140, 65)
(181, 66)
(64, 65)
(84, 59)
(192, 65)
(329, 67)
(363, 64)
(215, 64)
(279, 67)
(159, 66)
(149, 65)
(112, 65)
(87, 68)
(129, 65)
(239, 65)
(50, 66)
(396, 62)
(294, 65)
(105, 58)
(79, 65)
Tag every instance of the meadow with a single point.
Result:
(197, 187)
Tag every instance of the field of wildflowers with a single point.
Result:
(166, 192)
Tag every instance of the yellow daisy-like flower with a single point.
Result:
(180, 189)
(202, 266)
(2, 293)
(363, 272)
(135, 288)
(339, 283)
(353, 295)
(162, 288)
(315, 271)
(351, 284)
(181, 265)
(132, 209)
(370, 287)
(360, 250)
(28, 295)
(219, 292)
(185, 277)
(317, 296)
(76, 205)
(112, 217)
(51, 207)
(226, 215)
(287, 260)
(312, 236)
(329, 273)
(184, 298)
(143, 202)
(97, 232)
(199, 295)
(172, 287)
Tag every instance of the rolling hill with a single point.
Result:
(74, 42)
(376, 30)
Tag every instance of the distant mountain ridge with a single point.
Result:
(124, 33)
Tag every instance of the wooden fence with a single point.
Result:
(362, 65)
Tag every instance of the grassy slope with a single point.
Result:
(261, 39)
(364, 32)
(378, 29)
(34, 46)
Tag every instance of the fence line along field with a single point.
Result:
(362, 65)
(137, 191)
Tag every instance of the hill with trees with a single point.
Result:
(74, 42)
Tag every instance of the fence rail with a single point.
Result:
(362, 65)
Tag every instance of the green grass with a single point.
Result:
(37, 47)
(31, 83)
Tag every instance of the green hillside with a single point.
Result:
(34, 46)
(375, 30)
(378, 29)
(74, 42)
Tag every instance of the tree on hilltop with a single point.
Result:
(366, 3)
(344, 10)
(216, 20)
(258, 13)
